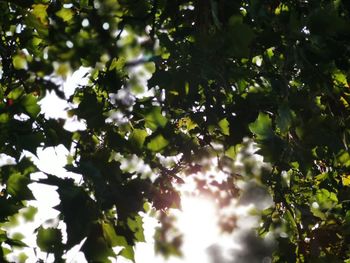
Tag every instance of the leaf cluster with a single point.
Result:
(215, 73)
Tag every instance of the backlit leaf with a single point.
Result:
(157, 143)
(15, 93)
(49, 239)
(17, 186)
(19, 61)
(29, 213)
(65, 13)
(325, 198)
(345, 180)
(128, 253)
(262, 127)
(39, 11)
(187, 124)
(110, 235)
(155, 119)
(30, 104)
(136, 225)
(96, 248)
(224, 126)
(138, 137)
(4, 117)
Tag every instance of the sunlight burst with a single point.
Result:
(198, 221)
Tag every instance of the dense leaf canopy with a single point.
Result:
(173, 85)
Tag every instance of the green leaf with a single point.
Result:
(30, 104)
(326, 199)
(5, 251)
(128, 253)
(22, 257)
(262, 127)
(75, 204)
(155, 119)
(84, 3)
(31, 142)
(117, 63)
(157, 143)
(96, 248)
(15, 93)
(150, 67)
(322, 202)
(110, 235)
(147, 207)
(17, 235)
(284, 118)
(138, 137)
(17, 186)
(137, 88)
(9, 207)
(340, 78)
(3, 235)
(35, 23)
(19, 61)
(224, 126)
(232, 151)
(4, 117)
(343, 158)
(187, 123)
(91, 110)
(29, 213)
(345, 179)
(15, 243)
(49, 239)
(39, 11)
(63, 70)
(136, 225)
(65, 13)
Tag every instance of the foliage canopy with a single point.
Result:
(215, 72)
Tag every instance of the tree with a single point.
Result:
(221, 71)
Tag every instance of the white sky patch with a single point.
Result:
(198, 220)
(6, 159)
(77, 79)
(53, 106)
(52, 160)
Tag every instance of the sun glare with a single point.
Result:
(198, 221)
